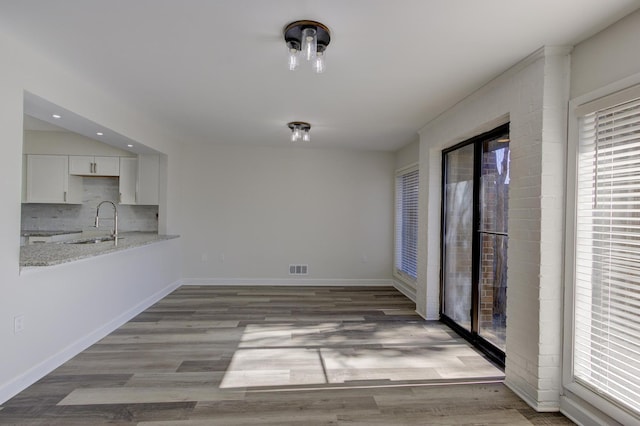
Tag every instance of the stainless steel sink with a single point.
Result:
(92, 240)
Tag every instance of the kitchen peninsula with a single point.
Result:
(49, 254)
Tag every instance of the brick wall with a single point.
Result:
(532, 96)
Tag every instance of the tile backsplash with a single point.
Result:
(70, 217)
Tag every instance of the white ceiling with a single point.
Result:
(216, 70)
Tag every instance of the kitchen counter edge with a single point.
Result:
(49, 254)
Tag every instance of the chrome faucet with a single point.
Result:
(115, 219)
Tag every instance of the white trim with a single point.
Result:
(531, 400)
(602, 92)
(405, 288)
(608, 101)
(302, 282)
(584, 414)
(18, 384)
(408, 168)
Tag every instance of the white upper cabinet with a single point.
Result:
(139, 180)
(86, 165)
(128, 180)
(48, 180)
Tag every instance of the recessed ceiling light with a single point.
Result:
(99, 133)
(56, 116)
(129, 145)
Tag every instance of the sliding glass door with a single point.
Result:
(494, 207)
(458, 235)
(475, 239)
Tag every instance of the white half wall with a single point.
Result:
(532, 96)
(250, 212)
(69, 306)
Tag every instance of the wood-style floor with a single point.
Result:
(276, 356)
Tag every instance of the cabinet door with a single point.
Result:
(128, 180)
(80, 165)
(47, 178)
(106, 166)
(148, 179)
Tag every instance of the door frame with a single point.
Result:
(472, 335)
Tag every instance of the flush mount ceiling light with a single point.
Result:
(299, 130)
(307, 39)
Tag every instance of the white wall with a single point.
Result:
(531, 96)
(249, 212)
(408, 155)
(66, 306)
(608, 57)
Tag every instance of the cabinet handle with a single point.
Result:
(93, 167)
(65, 196)
(120, 198)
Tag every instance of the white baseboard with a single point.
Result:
(13, 387)
(300, 282)
(603, 412)
(530, 400)
(405, 289)
(578, 414)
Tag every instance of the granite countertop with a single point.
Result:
(48, 254)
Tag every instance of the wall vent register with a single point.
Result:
(298, 269)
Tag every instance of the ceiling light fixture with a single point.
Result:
(299, 130)
(308, 39)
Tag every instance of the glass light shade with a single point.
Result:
(318, 64)
(296, 134)
(293, 59)
(305, 136)
(309, 43)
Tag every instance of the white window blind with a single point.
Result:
(406, 232)
(606, 355)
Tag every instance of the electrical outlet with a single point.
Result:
(18, 324)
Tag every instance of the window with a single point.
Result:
(606, 319)
(406, 243)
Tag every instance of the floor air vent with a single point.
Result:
(298, 269)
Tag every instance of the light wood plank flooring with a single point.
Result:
(276, 356)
